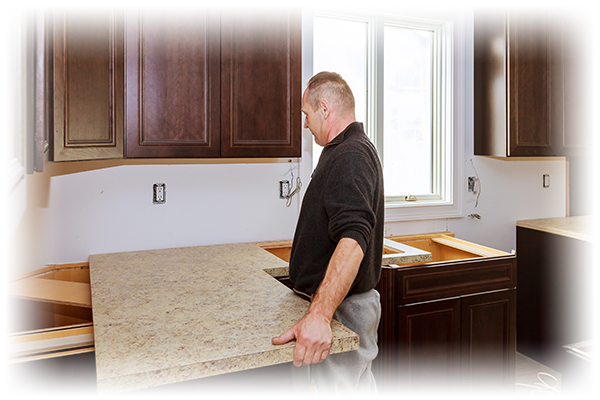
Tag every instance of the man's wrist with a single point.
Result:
(316, 311)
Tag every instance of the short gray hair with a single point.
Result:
(330, 86)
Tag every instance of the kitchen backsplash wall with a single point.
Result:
(70, 216)
(510, 191)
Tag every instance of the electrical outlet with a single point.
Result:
(159, 193)
(284, 189)
(471, 183)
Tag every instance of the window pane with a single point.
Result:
(341, 46)
(407, 130)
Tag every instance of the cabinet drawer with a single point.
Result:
(457, 268)
(456, 278)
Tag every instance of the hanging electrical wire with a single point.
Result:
(477, 190)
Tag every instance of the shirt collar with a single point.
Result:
(341, 136)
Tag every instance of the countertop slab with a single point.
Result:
(580, 227)
(165, 316)
(396, 253)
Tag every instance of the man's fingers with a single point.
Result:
(316, 358)
(284, 337)
(299, 353)
(324, 355)
(313, 340)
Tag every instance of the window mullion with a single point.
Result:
(376, 104)
(437, 89)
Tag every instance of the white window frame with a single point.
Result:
(450, 37)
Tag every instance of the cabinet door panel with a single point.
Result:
(260, 83)
(43, 108)
(489, 339)
(173, 84)
(429, 343)
(530, 85)
(571, 74)
(490, 80)
(88, 85)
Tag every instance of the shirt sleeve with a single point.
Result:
(349, 198)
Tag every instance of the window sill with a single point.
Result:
(421, 210)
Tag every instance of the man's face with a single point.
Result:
(314, 121)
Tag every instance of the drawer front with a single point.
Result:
(440, 280)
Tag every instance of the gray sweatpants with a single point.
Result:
(351, 371)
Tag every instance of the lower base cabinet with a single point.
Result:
(448, 324)
(555, 300)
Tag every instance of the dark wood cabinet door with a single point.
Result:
(88, 85)
(429, 343)
(532, 83)
(261, 84)
(571, 72)
(526, 102)
(173, 93)
(489, 79)
(43, 29)
(488, 339)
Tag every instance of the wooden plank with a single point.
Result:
(422, 236)
(51, 342)
(280, 248)
(53, 354)
(51, 333)
(275, 244)
(52, 291)
(468, 247)
(50, 268)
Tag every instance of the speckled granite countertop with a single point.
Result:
(165, 316)
(396, 253)
(574, 227)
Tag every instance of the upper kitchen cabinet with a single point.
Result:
(519, 81)
(261, 84)
(163, 83)
(42, 72)
(573, 75)
(88, 93)
(204, 85)
(173, 84)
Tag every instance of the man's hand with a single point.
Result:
(313, 332)
(313, 339)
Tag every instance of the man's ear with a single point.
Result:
(325, 108)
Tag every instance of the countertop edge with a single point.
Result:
(244, 362)
(572, 227)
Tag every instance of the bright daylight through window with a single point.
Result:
(400, 73)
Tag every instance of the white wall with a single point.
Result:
(74, 214)
(510, 191)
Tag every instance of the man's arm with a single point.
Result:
(313, 332)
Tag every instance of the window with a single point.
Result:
(400, 70)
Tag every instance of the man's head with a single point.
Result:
(328, 104)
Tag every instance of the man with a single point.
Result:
(338, 243)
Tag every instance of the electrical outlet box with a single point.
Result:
(471, 184)
(546, 181)
(284, 189)
(159, 193)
